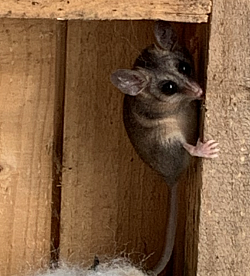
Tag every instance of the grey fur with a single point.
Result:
(157, 123)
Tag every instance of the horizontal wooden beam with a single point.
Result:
(171, 10)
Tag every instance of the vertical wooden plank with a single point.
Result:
(224, 240)
(60, 69)
(26, 134)
(111, 201)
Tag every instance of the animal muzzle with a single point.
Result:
(193, 89)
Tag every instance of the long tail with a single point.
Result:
(170, 232)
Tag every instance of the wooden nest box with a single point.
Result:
(70, 178)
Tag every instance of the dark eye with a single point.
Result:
(184, 68)
(168, 87)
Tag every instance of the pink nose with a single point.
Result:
(199, 92)
(195, 89)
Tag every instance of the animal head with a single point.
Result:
(163, 72)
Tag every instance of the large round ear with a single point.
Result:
(129, 82)
(165, 35)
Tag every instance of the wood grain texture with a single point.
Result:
(60, 69)
(26, 133)
(225, 207)
(172, 10)
(111, 201)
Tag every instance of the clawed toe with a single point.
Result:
(207, 150)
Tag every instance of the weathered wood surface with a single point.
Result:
(111, 201)
(224, 238)
(172, 10)
(26, 136)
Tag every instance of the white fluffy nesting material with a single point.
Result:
(115, 268)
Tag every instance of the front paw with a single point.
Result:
(208, 149)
